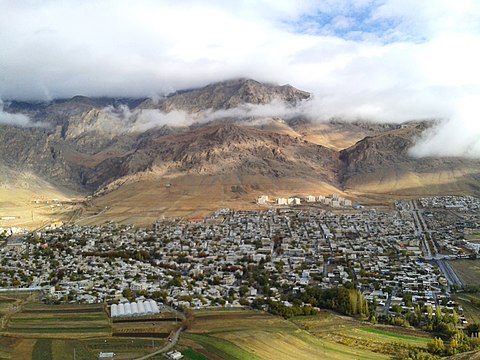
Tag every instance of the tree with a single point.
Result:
(189, 318)
(128, 293)
(436, 346)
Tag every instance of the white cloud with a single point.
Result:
(21, 120)
(457, 136)
(385, 59)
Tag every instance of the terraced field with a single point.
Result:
(80, 332)
(245, 334)
(62, 321)
(381, 339)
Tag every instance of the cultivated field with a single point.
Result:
(245, 334)
(62, 321)
(60, 332)
(381, 339)
(470, 306)
(153, 327)
(467, 270)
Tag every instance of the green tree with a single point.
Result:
(436, 346)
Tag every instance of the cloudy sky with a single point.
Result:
(388, 60)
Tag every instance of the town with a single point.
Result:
(398, 257)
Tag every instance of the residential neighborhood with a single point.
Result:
(396, 257)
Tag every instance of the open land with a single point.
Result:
(467, 270)
(56, 332)
(245, 334)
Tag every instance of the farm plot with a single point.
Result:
(244, 334)
(124, 348)
(44, 321)
(379, 339)
(6, 304)
(467, 270)
(160, 327)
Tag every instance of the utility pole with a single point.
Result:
(74, 354)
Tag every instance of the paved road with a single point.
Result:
(175, 337)
(166, 348)
(449, 273)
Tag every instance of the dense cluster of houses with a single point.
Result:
(205, 262)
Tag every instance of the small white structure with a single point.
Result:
(310, 198)
(262, 200)
(106, 355)
(282, 201)
(174, 355)
(293, 201)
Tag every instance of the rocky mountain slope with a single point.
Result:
(97, 146)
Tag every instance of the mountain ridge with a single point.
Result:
(89, 148)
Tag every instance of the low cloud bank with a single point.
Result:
(21, 120)
(455, 135)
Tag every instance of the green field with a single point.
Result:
(193, 355)
(246, 334)
(471, 311)
(378, 338)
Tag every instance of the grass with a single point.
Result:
(471, 311)
(379, 339)
(125, 348)
(65, 350)
(262, 336)
(396, 336)
(222, 348)
(469, 273)
(43, 350)
(51, 321)
(191, 354)
(467, 270)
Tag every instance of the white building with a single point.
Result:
(282, 201)
(262, 200)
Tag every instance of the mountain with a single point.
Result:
(140, 158)
(381, 164)
(227, 95)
